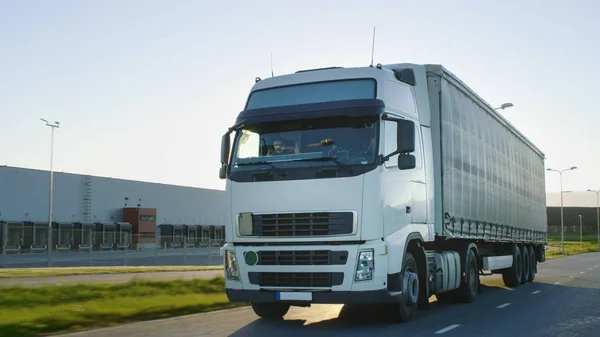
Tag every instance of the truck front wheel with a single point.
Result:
(404, 310)
(270, 311)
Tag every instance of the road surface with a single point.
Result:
(110, 278)
(564, 300)
(157, 257)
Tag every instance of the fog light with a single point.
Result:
(365, 265)
(231, 266)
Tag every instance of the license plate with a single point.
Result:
(294, 296)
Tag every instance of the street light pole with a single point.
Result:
(597, 212)
(49, 244)
(580, 231)
(562, 221)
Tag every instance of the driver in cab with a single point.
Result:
(281, 147)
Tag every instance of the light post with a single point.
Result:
(580, 231)
(52, 127)
(597, 212)
(562, 224)
(504, 106)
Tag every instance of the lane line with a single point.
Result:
(589, 268)
(503, 305)
(448, 328)
(581, 272)
(556, 282)
(571, 276)
(536, 292)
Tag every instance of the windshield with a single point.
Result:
(350, 141)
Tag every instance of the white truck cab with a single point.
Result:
(335, 187)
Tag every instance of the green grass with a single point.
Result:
(571, 248)
(51, 309)
(39, 272)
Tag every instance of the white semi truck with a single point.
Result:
(381, 185)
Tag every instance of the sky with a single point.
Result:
(144, 89)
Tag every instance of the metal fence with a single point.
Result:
(109, 244)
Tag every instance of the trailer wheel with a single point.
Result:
(526, 263)
(404, 310)
(512, 275)
(270, 311)
(468, 289)
(532, 264)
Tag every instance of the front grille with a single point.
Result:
(302, 257)
(264, 279)
(302, 224)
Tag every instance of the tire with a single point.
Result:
(532, 264)
(270, 311)
(525, 264)
(512, 275)
(467, 291)
(404, 310)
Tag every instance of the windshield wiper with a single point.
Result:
(340, 164)
(262, 162)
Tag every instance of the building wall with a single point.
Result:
(24, 196)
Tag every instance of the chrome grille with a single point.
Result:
(302, 224)
(302, 257)
(325, 279)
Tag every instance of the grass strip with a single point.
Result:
(46, 310)
(66, 271)
(571, 248)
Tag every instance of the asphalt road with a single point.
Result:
(170, 257)
(564, 300)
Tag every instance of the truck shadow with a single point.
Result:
(373, 320)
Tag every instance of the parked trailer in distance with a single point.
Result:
(384, 185)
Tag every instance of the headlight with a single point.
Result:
(365, 265)
(231, 266)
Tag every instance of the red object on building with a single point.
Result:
(143, 223)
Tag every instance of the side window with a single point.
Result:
(390, 141)
(248, 144)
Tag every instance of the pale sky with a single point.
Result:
(145, 89)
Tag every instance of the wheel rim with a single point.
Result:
(411, 287)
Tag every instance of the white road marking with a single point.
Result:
(589, 268)
(536, 292)
(581, 272)
(503, 305)
(448, 328)
(571, 276)
(556, 282)
(595, 266)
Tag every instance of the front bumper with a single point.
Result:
(329, 297)
(343, 289)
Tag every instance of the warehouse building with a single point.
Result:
(97, 201)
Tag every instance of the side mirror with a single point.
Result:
(225, 145)
(406, 162)
(406, 136)
(223, 172)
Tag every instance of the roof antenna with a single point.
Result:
(373, 48)
(272, 65)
